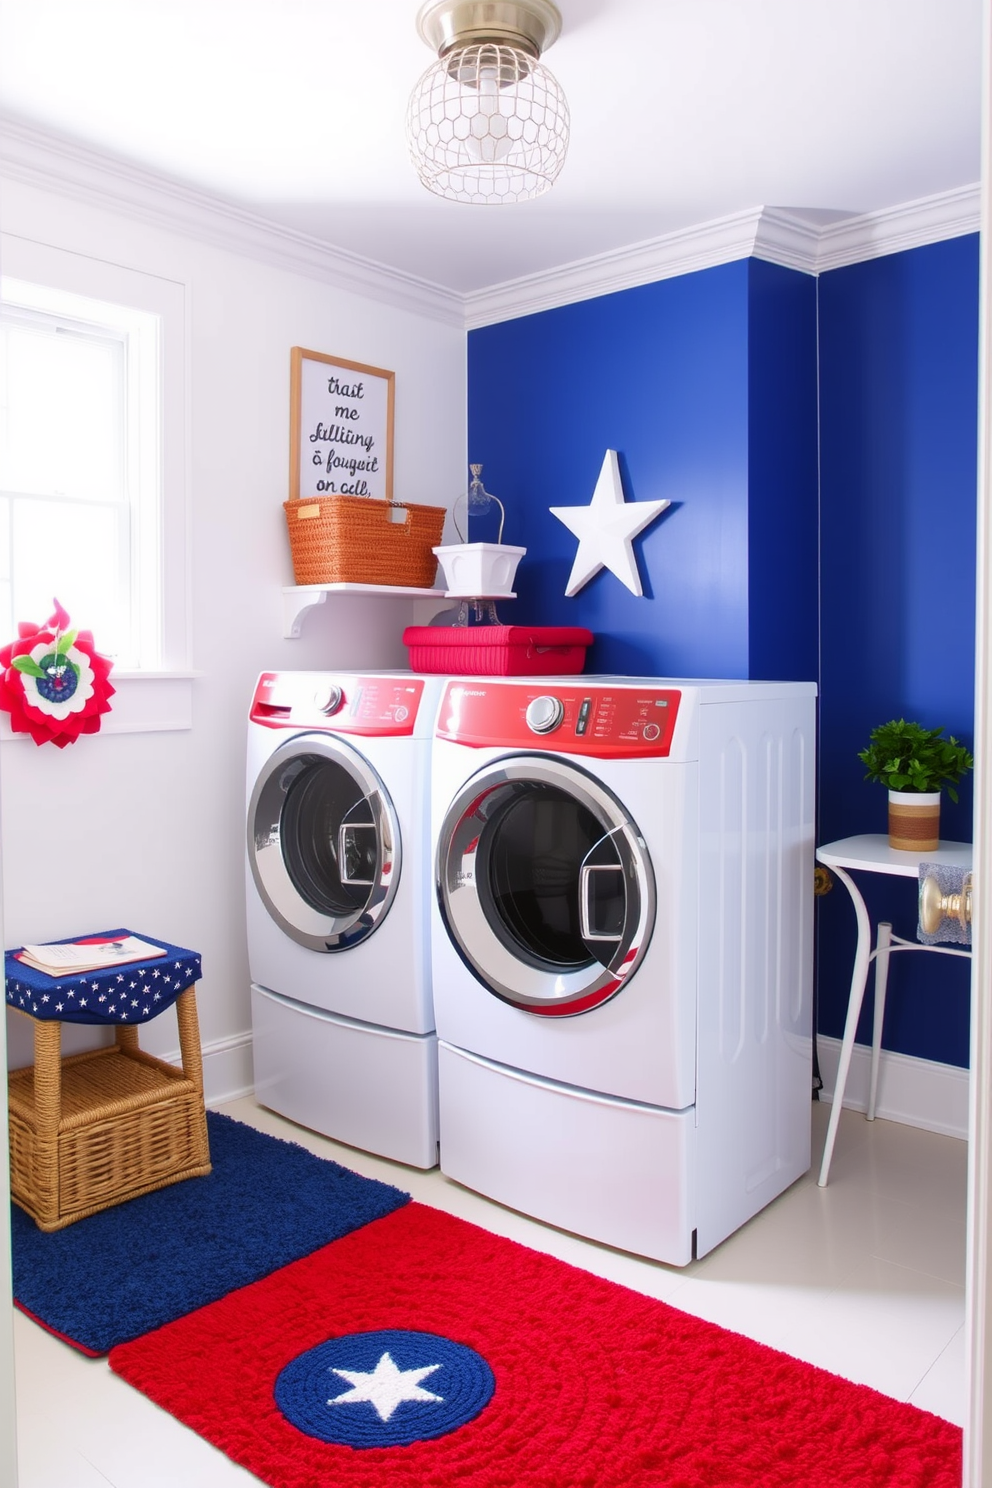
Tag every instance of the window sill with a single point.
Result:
(143, 703)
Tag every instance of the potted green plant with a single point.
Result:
(915, 764)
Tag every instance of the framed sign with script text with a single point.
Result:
(341, 428)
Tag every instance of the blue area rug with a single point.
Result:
(127, 1270)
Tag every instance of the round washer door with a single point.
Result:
(545, 885)
(323, 842)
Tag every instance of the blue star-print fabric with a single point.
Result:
(133, 992)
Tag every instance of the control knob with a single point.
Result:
(328, 699)
(544, 714)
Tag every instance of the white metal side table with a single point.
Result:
(872, 854)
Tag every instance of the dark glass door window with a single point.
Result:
(544, 885)
(535, 855)
(330, 842)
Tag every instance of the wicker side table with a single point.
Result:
(91, 1130)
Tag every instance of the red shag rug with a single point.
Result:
(423, 1352)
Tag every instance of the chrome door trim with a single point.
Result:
(492, 962)
(310, 927)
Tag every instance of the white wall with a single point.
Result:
(146, 829)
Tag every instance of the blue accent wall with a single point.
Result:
(817, 440)
(899, 439)
(783, 606)
(689, 380)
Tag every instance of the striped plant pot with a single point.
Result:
(914, 820)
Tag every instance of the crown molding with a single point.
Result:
(787, 239)
(770, 233)
(40, 158)
(702, 247)
(931, 219)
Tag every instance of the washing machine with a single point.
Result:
(622, 950)
(338, 890)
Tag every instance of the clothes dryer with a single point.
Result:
(622, 950)
(338, 889)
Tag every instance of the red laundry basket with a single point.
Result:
(498, 650)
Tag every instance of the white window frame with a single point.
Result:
(135, 335)
(162, 579)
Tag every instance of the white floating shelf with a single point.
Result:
(298, 599)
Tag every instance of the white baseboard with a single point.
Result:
(917, 1092)
(227, 1069)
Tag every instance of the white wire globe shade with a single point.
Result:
(488, 124)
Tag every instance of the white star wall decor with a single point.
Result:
(606, 529)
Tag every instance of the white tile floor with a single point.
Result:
(865, 1278)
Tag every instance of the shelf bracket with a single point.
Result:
(299, 599)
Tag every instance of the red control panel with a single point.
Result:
(604, 722)
(380, 707)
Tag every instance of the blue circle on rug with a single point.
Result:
(384, 1389)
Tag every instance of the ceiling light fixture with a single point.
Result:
(487, 123)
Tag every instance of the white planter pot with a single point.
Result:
(478, 570)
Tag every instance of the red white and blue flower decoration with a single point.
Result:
(55, 683)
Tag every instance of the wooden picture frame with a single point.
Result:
(340, 427)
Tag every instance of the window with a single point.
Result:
(91, 454)
(79, 477)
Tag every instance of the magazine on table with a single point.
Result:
(77, 956)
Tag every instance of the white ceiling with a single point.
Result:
(682, 111)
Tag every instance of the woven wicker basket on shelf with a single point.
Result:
(357, 540)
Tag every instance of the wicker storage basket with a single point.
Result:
(91, 1130)
(356, 540)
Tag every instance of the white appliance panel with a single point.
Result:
(612, 1170)
(756, 872)
(712, 1033)
(386, 978)
(595, 1050)
(372, 1088)
(343, 1037)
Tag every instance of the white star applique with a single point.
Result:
(385, 1387)
(606, 529)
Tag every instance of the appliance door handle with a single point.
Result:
(351, 829)
(586, 872)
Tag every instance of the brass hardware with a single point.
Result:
(823, 881)
(531, 26)
(935, 906)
